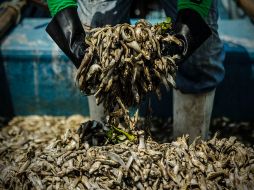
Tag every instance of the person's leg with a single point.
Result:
(192, 113)
(97, 13)
(196, 81)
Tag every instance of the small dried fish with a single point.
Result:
(125, 64)
(36, 164)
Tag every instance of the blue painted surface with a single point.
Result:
(41, 78)
(238, 33)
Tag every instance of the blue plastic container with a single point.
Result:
(41, 79)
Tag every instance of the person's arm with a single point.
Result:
(66, 29)
(247, 6)
(190, 26)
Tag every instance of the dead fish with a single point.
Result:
(94, 167)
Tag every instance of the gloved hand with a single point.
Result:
(192, 31)
(66, 30)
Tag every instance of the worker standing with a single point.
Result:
(197, 77)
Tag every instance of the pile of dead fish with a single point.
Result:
(46, 153)
(243, 130)
(123, 63)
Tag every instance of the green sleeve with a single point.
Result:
(57, 5)
(201, 6)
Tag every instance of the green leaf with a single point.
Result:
(168, 20)
(166, 25)
(129, 136)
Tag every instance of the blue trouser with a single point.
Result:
(202, 72)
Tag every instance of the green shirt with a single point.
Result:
(57, 5)
(201, 6)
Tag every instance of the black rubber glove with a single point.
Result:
(66, 30)
(192, 30)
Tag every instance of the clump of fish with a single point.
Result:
(123, 63)
(47, 153)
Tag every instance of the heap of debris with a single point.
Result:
(46, 153)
